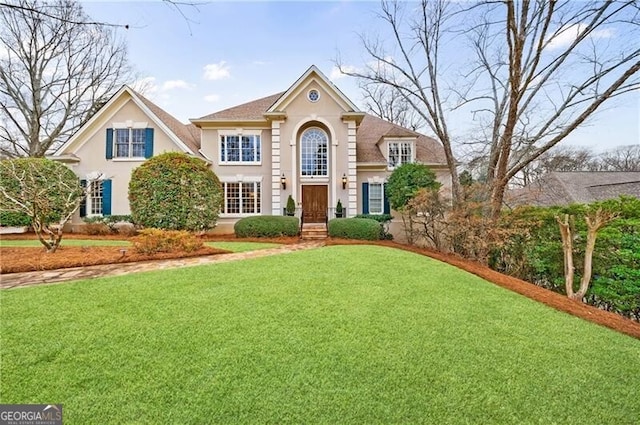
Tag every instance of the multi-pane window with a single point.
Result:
(240, 149)
(400, 153)
(129, 142)
(376, 198)
(313, 152)
(95, 198)
(242, 198)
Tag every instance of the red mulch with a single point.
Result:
(529, 290)
(15, 260)
(25, 259)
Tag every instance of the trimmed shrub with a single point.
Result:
(355, 228)
(103, 225)
(384, 220)
(175, 191)
(153, 241)
(14, 219)
(405, 182)
(267, 226)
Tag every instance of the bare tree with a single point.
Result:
(386, 103)
(537, 71)
(54, 73)
(622, 158)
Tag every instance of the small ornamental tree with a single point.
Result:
(175, 191)
(46, 191)
(403, 185)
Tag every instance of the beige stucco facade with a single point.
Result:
(312, 104)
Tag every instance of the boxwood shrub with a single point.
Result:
(267, 226)
(355, 228)
(14, 219)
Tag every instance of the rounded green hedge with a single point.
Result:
(267, 226)
(355, 228)
(174, 191)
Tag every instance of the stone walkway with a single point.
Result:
(15, 280)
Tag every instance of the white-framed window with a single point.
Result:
(313, 153)
(376, 198)
(400, 153)
(95, 198)
(242, 198)
(129, 142)
(240, 149)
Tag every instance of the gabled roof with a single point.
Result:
(314, 72)
(182, 136)
(183, 131)
(564, 188)
(374, 130)
(249, 111)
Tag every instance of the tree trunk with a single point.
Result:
(567, 249)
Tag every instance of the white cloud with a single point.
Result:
(176, 84)
(212, 98)
(336, 74)
(216, 71)
(565, 36)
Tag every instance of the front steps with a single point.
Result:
(314, 231)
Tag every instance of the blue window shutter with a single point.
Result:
(148, 143)
(365, 198)
(387, 207)
(106, 197)
(109, 153)
(83, 204)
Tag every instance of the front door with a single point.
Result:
(314, 203)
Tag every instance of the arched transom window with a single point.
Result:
(313, 152)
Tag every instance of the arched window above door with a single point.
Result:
(313, 152)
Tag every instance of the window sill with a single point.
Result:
(238, 215)
(133, 159)
(240, 163)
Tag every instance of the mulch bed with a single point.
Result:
(529, 290)
(15, 260)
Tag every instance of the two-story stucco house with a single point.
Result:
(310, 142)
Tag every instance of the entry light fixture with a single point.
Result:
(283, 180)
(344, 181)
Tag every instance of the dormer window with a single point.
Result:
(400, 152)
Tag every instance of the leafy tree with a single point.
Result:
(405, 182)
(174, 191)
(57, 69)
(47, 191)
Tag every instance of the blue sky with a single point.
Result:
(227, 53)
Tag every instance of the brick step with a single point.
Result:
(314, 231)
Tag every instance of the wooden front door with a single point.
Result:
(314, 203)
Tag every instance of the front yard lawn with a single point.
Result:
(341, 334)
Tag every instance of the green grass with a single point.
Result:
(242, 246)
(337, 335)
(26, 243)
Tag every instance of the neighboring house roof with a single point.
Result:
(564, 188)
(249, 111)
(373, 130)
(181, 134)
